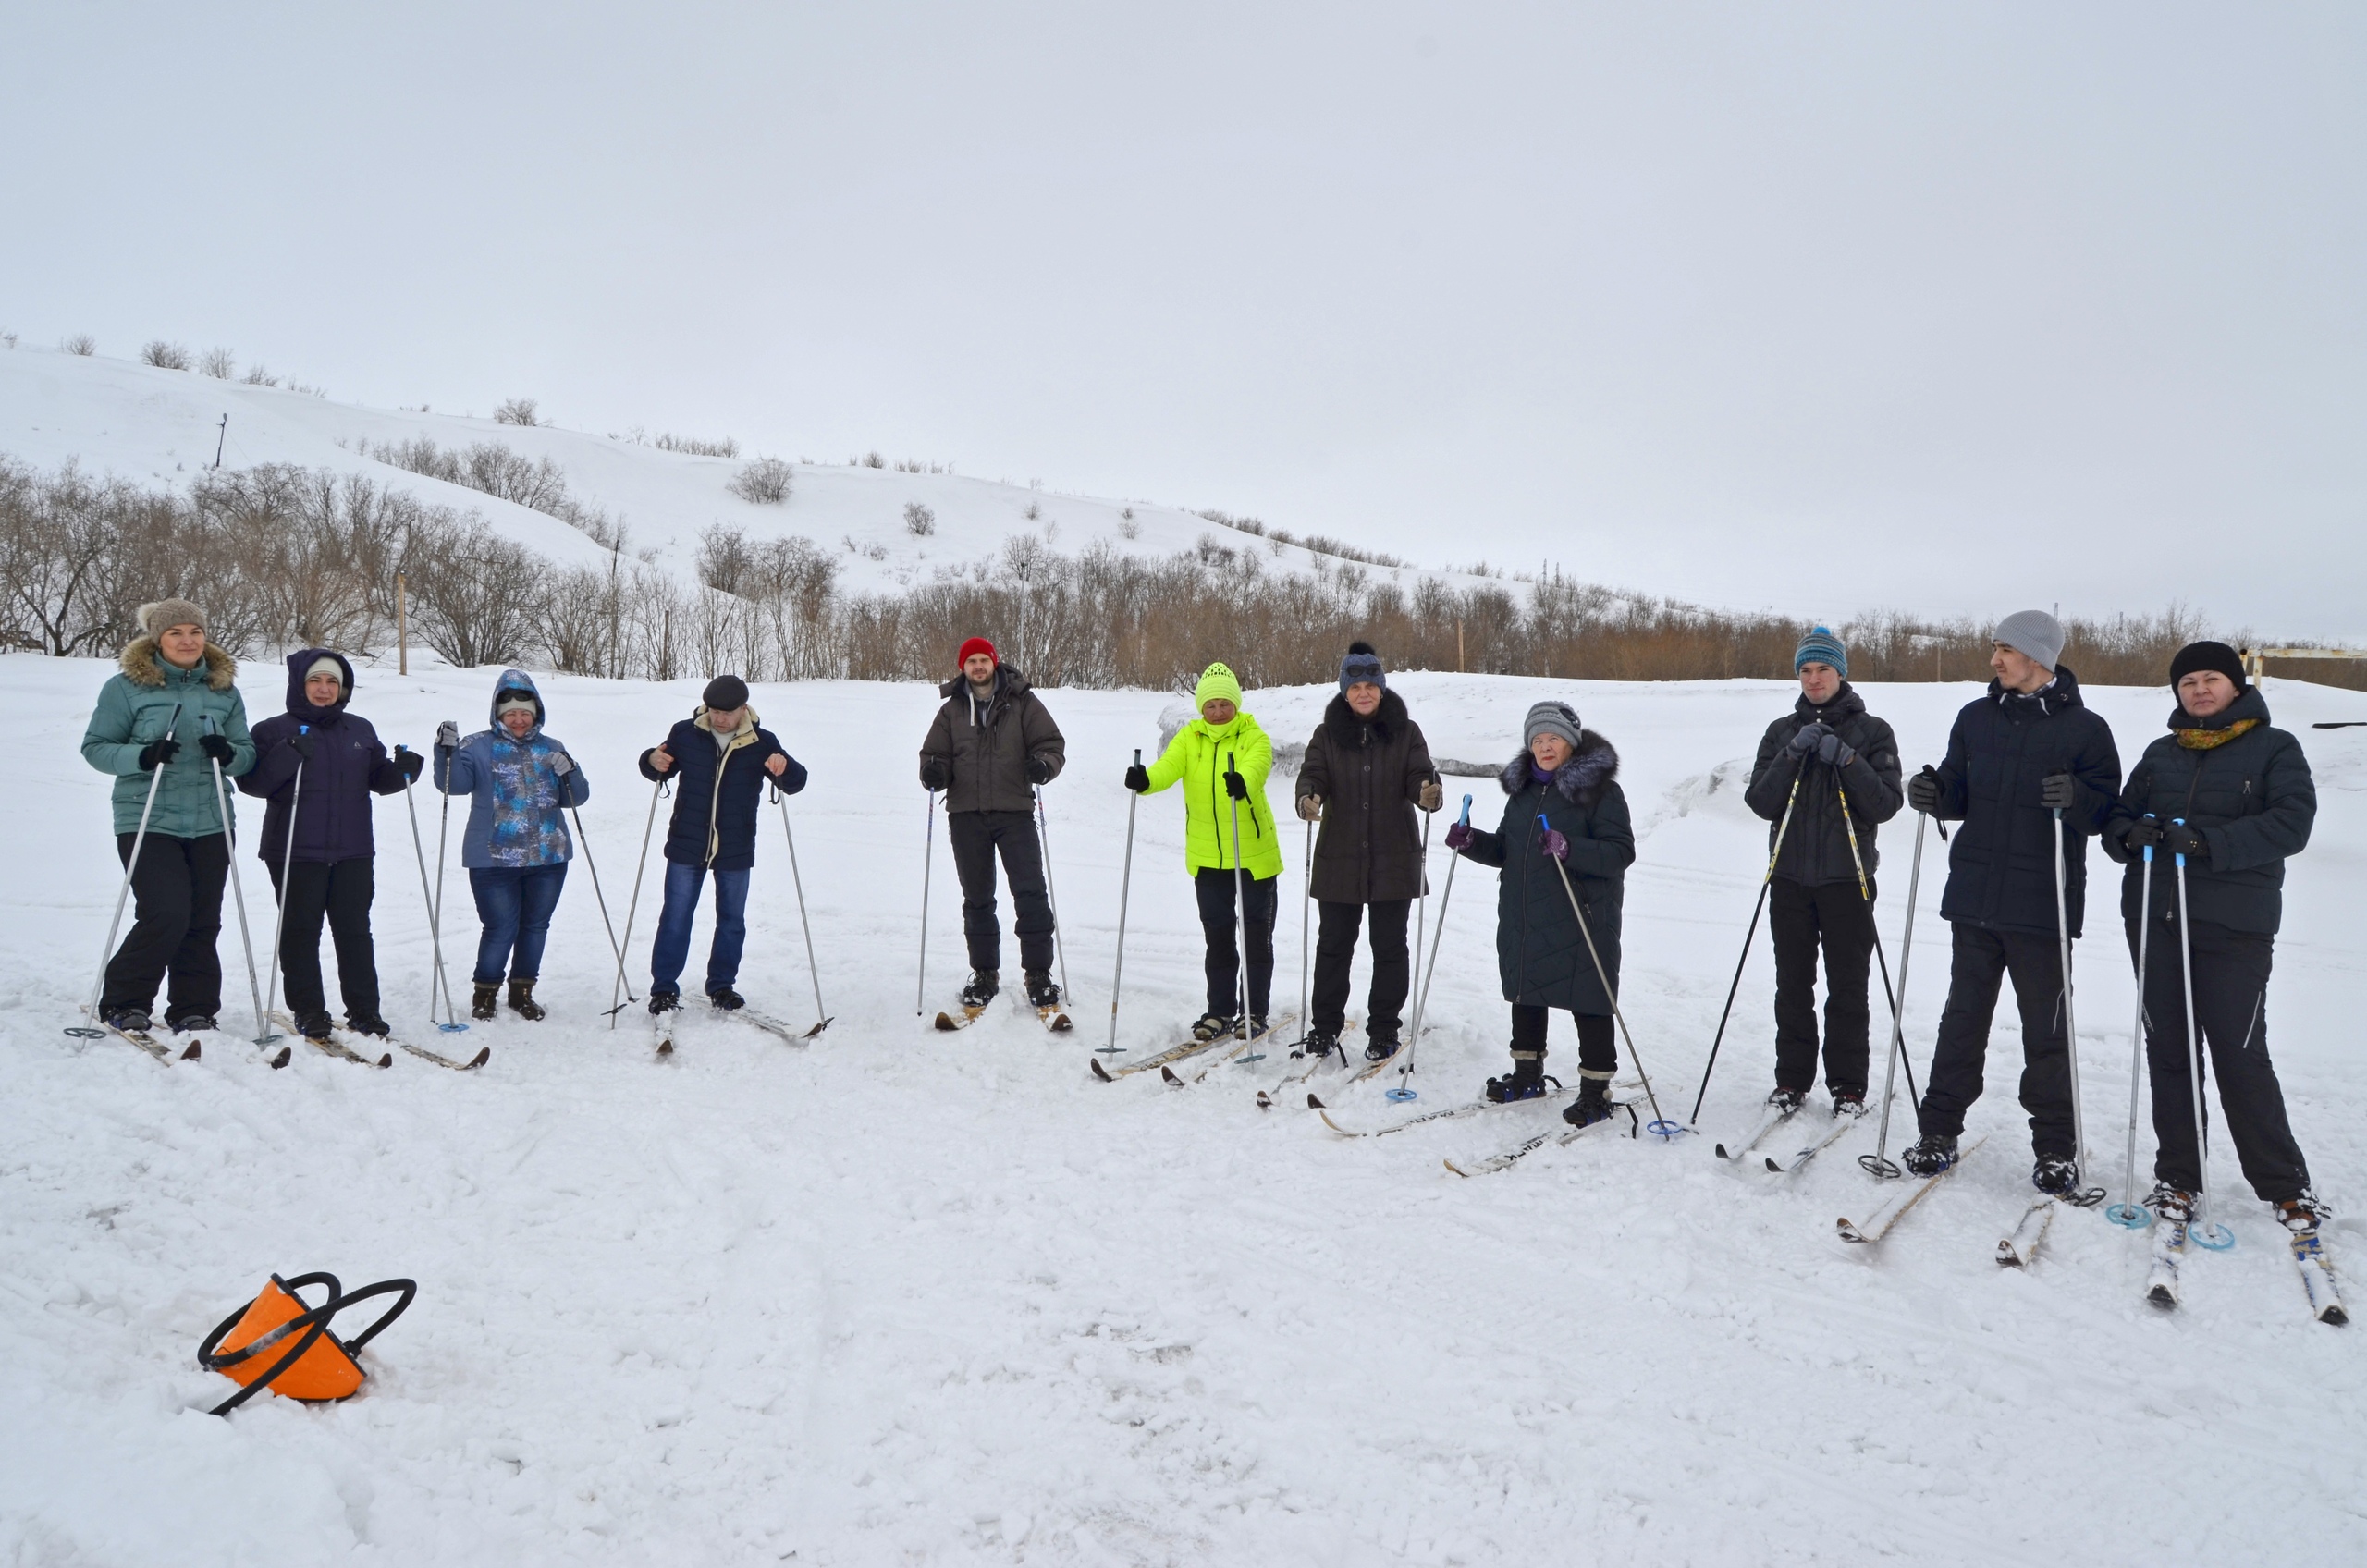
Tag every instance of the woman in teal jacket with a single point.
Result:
(1222, 759)
(162, 726)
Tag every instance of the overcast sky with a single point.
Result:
(1821, 308)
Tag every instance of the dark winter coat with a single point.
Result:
(347, 768)
(717, 791)
(989, 743)
(134, 708)
(1369, 773)
(1815, 848)
(2253, 799)
(1539, 950)
(2001, 868)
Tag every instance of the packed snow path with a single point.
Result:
(911, 1298)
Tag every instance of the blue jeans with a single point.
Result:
(672, 949)
(515, 903)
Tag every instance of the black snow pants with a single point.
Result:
(177, 893)
(339, 892)
(977, 837)
(2231, 1006)
(1213, 889)
(1800, 919)
(1598, 1042)
(1983, 958)
(1335, 949)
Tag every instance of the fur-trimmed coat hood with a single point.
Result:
(146, 700)
(1542, 957)
(1580, 780)
(143, 664)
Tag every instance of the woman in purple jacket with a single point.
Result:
(326, 811)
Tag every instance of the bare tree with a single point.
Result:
(80, 343)
(517, 410)
(764, 481)
(164, 355)
(218, 363)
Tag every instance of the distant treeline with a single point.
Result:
(284, 556)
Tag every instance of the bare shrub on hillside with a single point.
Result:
(517, 410)
(538, 484)
(164, 355)
(765, 481)
(919, 522)
(725, 447)
(258, 376)
(81, 343)
(218, 364)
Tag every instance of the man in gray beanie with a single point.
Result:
(2026, 760)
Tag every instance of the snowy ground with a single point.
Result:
(898, 1297)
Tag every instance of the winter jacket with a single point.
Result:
(517, 796)
(718, 790)
(1369, 773)
(1815, 848)
(348, 766)
(2001, 869)
(135, 707)
(1540, 953)
(2251, 796)
(989, 743)
(1195, 758)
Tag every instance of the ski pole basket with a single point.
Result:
(315, 1366)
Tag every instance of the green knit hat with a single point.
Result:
(1216, 680)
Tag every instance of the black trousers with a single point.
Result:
(1983, 959)
(1214, 889)
(340, 893)
(1836, 917)
(977, 837)
(2231, 1010)
(1598, 1040)
(177, 916)
(1393, 970)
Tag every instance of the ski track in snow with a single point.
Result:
(901, 1297)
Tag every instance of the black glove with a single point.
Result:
(936, 773)
(156, 751)
(1039, 770)
(412, 763)
(2181, 838)
(1805, 739)
(2058, 792)
(1923, 790)
(2142, 835)
(1235, 785)
(1138, 779)
(1837, 751)
(218, 747)
(301, 744)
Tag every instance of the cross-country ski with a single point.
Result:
(2020, 1248)
(1902, 1197)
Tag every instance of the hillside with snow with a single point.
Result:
(898, 1297)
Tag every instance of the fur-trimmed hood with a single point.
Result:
(142, 665)
(1387, 719)
(1581, 779)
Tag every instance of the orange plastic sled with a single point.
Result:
(316, 1368)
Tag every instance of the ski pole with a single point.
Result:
(1306, 916)
(2086, 1196)
(1866, 891)
(633, 906)
(1125, 887)
(1765, 882)
(1878, 1164)
(2127, 1212)
(106, 950)
(1422, 906)
(286, 875)
(447, 746)
(1241, 918)
(265, 1034)
(1430, 973)
(1051, 895)
(451, 1024)
(594, 867)
(1659, 1125)
(798, 881)
(929, 857)
(2218, 1238)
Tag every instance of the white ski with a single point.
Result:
(1447, 1114)
(334, 1046)
(146, 1041)
(1875, 1226)
(1206, 1065)
(1842, 1122)
(947, 1022)
(1173, 1053)
(1774, 1118)
(2169, 1252)
(2317, 1276)
(789, 1032)
(1561, 1139)
(662, 1032)
(1052, 1018)
(2020, 1249)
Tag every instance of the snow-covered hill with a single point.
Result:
(900, 1297)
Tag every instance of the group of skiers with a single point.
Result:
(2030, 774)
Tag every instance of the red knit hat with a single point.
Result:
(977, 645)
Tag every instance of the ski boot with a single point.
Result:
(2302, 1215)
(2174, 1204)
(371, 1024)
(129, 1019)
(663, 1001)
(191, 1022)
(1213, 1026)
(1526, 1082)
(1930, 1154)
(1258, 1026)
(1787, 1100)
(1848, 1102)
(1041, 992)
(313, 1026)
(481, 1004)
(985, 984)
(1318, 1044)
(1592, 1105)
(2056, 1175)
(725, 999)
(522, 1002)
(1380, 1047)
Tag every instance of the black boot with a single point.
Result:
(1380, 1047)
(727, 999)
(2055, 1175)
(522, 1002)
(663, 1001)
(1041, 992)
(313, 1025)
(985, 985)
(1930, 1154)
(486, 1003)
(1592, 1105)
(1526, 1082)
(1320, 1043)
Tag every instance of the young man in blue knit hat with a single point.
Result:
(1828, 766)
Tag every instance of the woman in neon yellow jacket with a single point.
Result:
(1222, 759)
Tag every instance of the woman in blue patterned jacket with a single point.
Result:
(519, 781)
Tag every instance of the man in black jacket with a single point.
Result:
(2233, 794)
(1832, 769)
(2022, 752)
(720, 758)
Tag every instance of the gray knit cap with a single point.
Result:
(1551, 718)
(2032, 633)
(165, 613)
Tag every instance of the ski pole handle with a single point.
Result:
(1464, 820)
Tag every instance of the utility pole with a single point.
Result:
(219, 436)
(402, 628)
